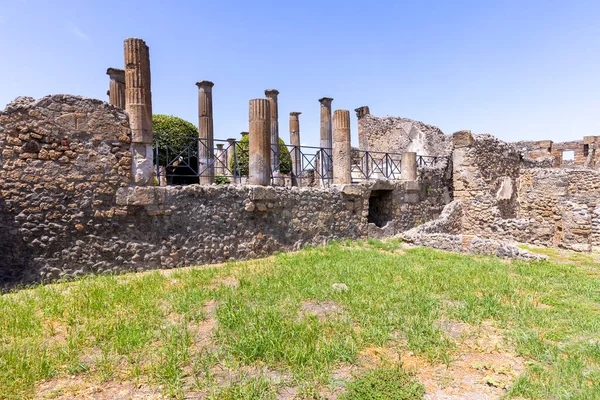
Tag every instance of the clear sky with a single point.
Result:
(518, 69)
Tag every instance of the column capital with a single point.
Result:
(326, 101)
(202, 84)
(295, 114)
(116, 74)
(271, 92)
(244, 133)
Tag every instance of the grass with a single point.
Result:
(156, 331)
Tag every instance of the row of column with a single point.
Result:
(261, 141)
(131, 89)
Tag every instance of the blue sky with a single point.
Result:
(523, 69)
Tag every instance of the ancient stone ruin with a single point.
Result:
(84, 187)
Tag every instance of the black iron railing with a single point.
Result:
(181, 160)
(429, 161)
(375, 165)
(306, 164)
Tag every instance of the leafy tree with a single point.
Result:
(242, 148)
(174, 133)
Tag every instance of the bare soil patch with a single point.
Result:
(483, 366)
(321, 310)
(79, 388)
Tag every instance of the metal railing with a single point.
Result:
(368, 165)
(429, 161)
(182, 160)
(306, 164)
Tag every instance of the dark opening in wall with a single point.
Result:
(586, 150)
(380, 207)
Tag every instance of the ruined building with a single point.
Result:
(85, 186)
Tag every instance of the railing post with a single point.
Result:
(237, 173)
(156, 160)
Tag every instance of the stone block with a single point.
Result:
(353, 190)
(412, 186)
(462, 139)
(262, 193)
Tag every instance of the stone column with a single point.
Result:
(408, 166)
(342, 149)
(295, 142)
(206, 152)
(221, 158)
(271, 95)
(260, 143)
(230, 154)
(361, 112)
(138, 104)
(116, 90)
(326, 136)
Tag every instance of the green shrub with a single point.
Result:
(383, 384)
(242, 148)
(175, 133)
(222, 180)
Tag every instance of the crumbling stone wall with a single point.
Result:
(504, 198)
(398, 135)
(62, 159)
(485, 179)
(545, 153)
(68, 205)
(558, 207)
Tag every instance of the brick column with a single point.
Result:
(138, 104)
(116, 90)
(408, 166)
(342, 149)
(326, 135)
(295, 141)
(260, 143)
(206, 152)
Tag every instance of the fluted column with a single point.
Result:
(206, 152)
(260, 143)
(116, 90)
(271, 95)
(138, 104)
(342, 149)
(295, 142)
(326, 137)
